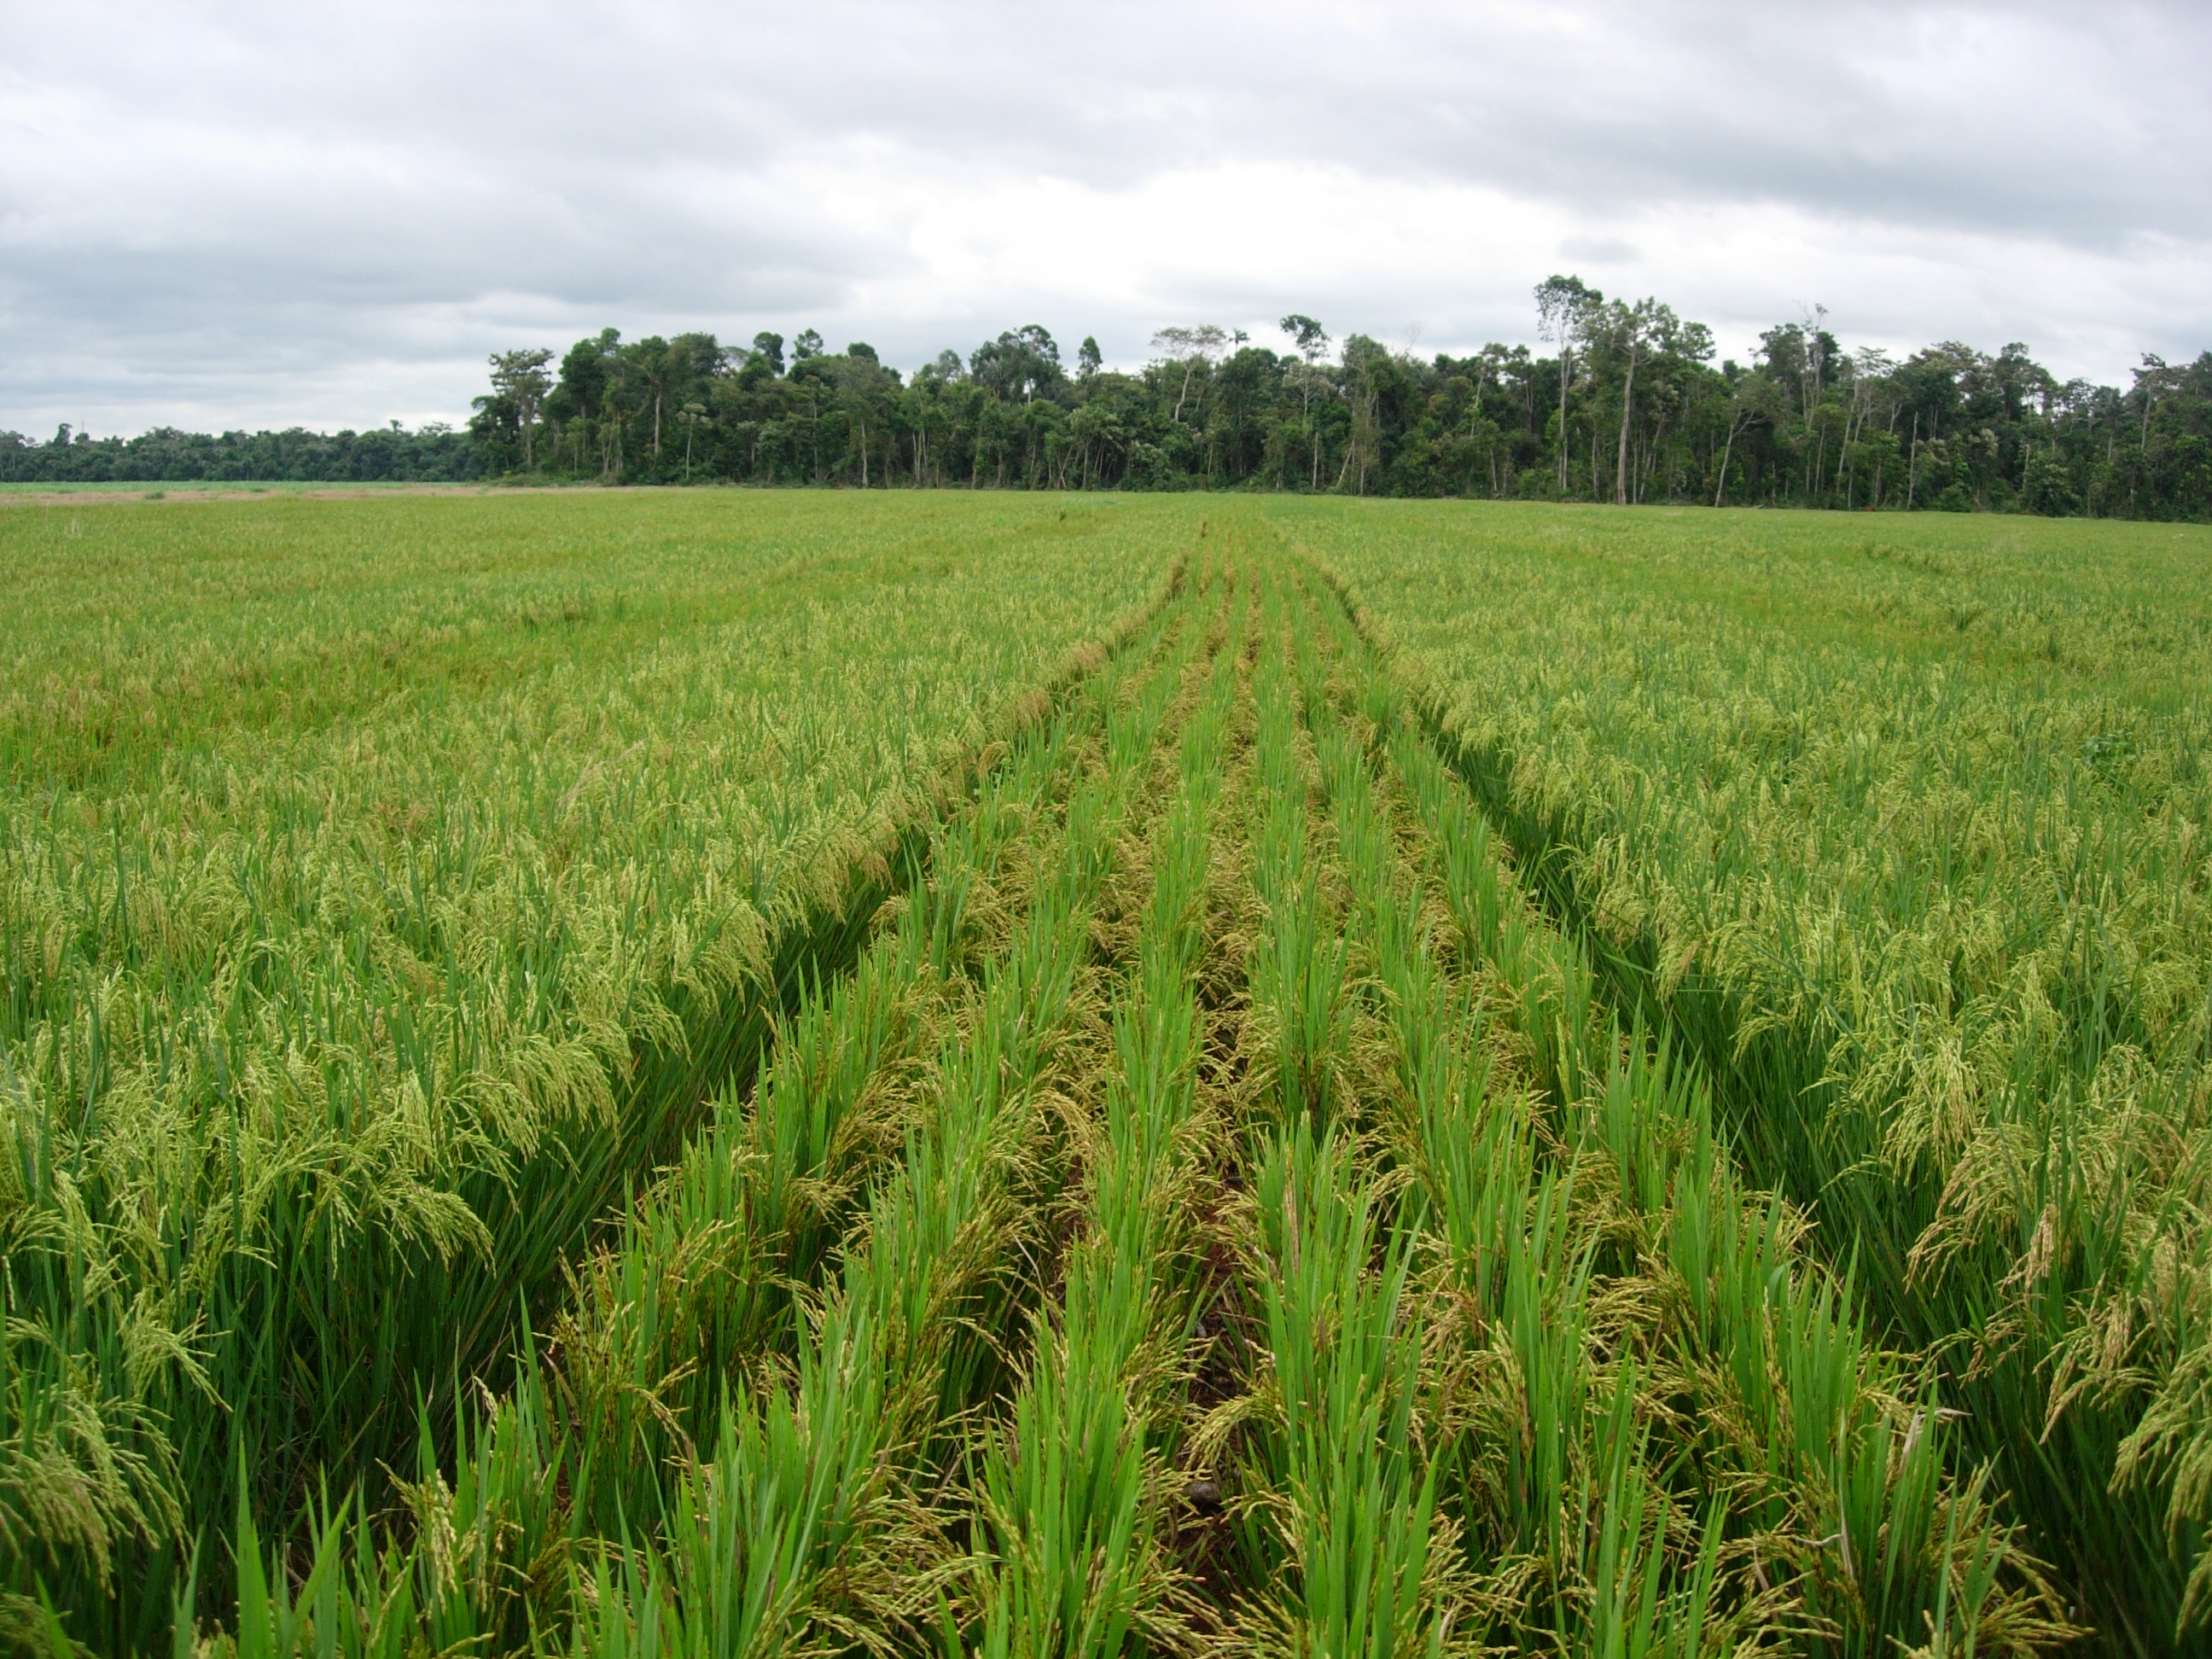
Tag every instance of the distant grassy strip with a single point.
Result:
(152, 487)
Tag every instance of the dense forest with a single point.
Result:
(1628, 406)
(434, 453)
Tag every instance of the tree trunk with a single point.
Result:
(1627, 402)
(1721, 483)
(1565, 361)
(1313, 443)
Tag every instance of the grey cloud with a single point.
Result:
(1598, 250)
(2067, 121)
(270, 207)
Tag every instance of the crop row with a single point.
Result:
(1219, 1211)
(343, 1002)
(767, 1369)
(1580, 1387)
(1906, 846)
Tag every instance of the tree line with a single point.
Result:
(434, 453)
(1628, 406)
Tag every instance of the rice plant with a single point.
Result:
(983, 1144)
(1904, 844)
(1579, 1207)
(1071, 1485)
(374, 918)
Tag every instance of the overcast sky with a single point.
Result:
(245, 215)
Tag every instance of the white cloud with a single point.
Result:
(237, 216)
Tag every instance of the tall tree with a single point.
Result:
(520, 376)
(1190, 347)
(1564, 305)
(658, 367)
(1632, 332)
(1312, 342)
(1020, 364)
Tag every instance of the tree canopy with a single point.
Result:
(1628, 407)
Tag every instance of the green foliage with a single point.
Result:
(1902, 835)
(432, 453)
(1207, 1148)
(1629, 409)
(385, 889)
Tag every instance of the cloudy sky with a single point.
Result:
(261, 214)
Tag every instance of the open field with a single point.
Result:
(740, 1074)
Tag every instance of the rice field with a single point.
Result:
(382, 887)
(715, 1075)
(1901, 827)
